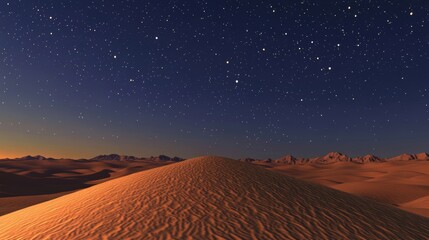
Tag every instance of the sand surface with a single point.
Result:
(404, 184)
(27, 182)
(211, 198)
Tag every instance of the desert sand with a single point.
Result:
(401, 183)
(31, 180)
(211, 198)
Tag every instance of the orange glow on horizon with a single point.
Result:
(13, 155)
(4, 155)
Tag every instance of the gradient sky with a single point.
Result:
(232, 78)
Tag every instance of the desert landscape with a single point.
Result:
(327, 197)
(211, 198)
(33, 179)
(196, 108)
(402, 181)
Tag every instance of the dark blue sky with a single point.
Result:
(233, 78)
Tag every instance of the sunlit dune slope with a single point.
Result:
(208, 198)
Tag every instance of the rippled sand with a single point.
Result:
(211, 198)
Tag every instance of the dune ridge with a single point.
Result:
(211, 198)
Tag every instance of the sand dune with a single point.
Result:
(385, 192)
(419, 206)
(30, 180)
(394, 182)
(211, 198)
(11, 204)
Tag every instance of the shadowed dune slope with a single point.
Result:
(31, 180)
(208, 198)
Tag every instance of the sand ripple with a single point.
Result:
(211, 198)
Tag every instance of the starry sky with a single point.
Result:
(232, 78)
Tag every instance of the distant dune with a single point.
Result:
(211, 198)
(402, 183)
(33, 179)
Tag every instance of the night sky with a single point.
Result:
(231, 78)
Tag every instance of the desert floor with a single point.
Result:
(404, 184)
(211, 198)
(28, 182)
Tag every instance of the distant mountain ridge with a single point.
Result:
(335, 157)
(407, 157)
(116, 157)
(133, 158)
(330, 158)
(37, 157)
(108, 157)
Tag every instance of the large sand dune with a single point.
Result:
(208, 198)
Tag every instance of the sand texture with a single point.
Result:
(25, 182)
(404, 184)
(211, 198)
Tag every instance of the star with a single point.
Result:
(282, 60)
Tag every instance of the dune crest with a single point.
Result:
(208, 198)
